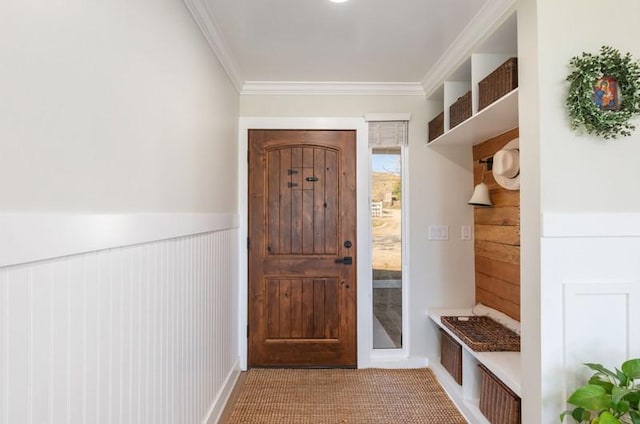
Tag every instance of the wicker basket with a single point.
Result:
(482, 334)
(498, 83)
(436, 126)
(451, 356)
(497, 402)
(460, 110)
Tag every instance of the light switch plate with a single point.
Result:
(438, 232)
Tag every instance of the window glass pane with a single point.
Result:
(386, 210)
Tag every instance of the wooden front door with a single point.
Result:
(302, 230)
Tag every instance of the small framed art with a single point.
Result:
(606, 93)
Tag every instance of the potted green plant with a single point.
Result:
(609, 397)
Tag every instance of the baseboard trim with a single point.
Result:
(217, 407)
(391, 361)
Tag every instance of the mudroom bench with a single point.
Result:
(480, 383)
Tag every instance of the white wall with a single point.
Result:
(569, 178)
(583, 173)
(440, 182)
(113, 106)
(109, 110)
(590, 284)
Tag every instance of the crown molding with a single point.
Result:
(207, 24)
(332, 88)
(490, 16)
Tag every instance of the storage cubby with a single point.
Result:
(504, 367)
(452, 91)
(498, 117)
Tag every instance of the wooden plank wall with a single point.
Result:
(497, 237)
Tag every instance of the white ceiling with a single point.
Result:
(320, 41)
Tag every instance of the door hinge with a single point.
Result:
(247, 331)
(248, 243)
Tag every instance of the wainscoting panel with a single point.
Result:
(597, 311)
(138, 334)
(590, 300)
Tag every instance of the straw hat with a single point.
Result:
(506, 165)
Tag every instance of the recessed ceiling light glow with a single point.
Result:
(337, 1)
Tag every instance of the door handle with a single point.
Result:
(347, 260)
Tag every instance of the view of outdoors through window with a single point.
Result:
(386, 210)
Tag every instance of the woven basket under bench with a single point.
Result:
(451, 356)
(497, 402)
(482, 334)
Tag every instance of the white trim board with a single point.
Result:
(34, 237)
(217, 407)
(591, 224)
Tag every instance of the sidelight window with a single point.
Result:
(387, 140)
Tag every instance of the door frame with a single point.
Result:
(364, 293)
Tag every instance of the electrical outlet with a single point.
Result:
(465, 232)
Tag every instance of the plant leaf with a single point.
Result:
(624, 380)
(581, 414)
(622, 407)
(600, 368)
(607, 418)
(578, 414)
(590, 397)
(631, 368)
(635, 417)
(634, 399)
(598, 381)
(618, 393)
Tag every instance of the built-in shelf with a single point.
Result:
(497, 118)
(465, 77)
(504, 365)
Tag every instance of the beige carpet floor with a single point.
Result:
(366, 396)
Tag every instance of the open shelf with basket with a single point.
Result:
(485, 385)
(479, 97)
